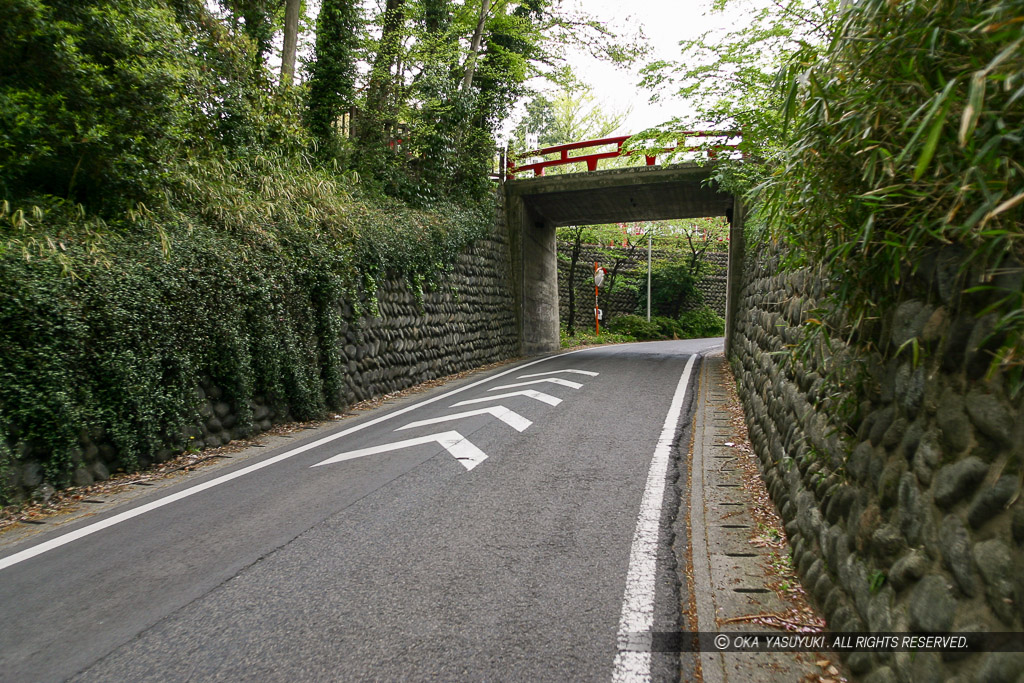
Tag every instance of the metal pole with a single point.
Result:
(648, 273)
(597, 319)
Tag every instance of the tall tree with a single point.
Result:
(291, 40)
(569, 115)
(333, 71)
(381, 109)
(474, 45)
(257, 22)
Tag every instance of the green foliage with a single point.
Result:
(570, 115)
(697, 324)
(161, 222)
(907, 136)
(107, 329)
(636, 326)
(673, 284)
(93, 98)
(588, 338)
(729, 78)
(333, 72)
(701, 323)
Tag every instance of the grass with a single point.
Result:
(588, 338)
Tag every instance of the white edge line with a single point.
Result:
(64, 539)
(638, 598)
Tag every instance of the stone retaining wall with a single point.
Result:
(907, 514)
(468, 321)
(624, 301)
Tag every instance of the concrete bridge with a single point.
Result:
(534, 207)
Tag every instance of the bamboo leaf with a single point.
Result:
(927, 119)
(1005, 206)
(932, 142)
(975, 103)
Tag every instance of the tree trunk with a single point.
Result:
(474, 48)
(609, 280)
(291, 40)
(436, 16)
(574, 257)
(378, 93)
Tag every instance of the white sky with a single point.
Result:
(664, 23)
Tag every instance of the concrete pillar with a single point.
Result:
(734, 280)
(535, 272)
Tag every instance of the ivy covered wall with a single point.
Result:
(144, 353)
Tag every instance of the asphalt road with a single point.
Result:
(416, 542)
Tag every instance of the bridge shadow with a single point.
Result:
(534, 207)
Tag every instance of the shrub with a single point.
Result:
(673, 284)
(702, 322)
(635, 326)
(668, 328)
(660, 327)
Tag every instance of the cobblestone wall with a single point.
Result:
(906, 515)
(623, 301)
(468, 321)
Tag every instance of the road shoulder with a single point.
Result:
(742, 575)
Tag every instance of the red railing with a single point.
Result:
(651, 155)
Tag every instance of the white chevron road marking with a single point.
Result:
(553, 380)
(509, 417)
(529, 393)
(461, 449)
(588, 373)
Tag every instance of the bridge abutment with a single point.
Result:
(535, 275)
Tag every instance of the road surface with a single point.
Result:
(510, 526)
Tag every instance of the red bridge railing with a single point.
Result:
(650, 154)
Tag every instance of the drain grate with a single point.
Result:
(750, 590)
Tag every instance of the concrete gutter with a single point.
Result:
(729, 577)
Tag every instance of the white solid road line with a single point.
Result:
(64, 539)
(465, 452)
(555, 372)
(509, 417)
(552, 380)
(530, 393)
(638, 599)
